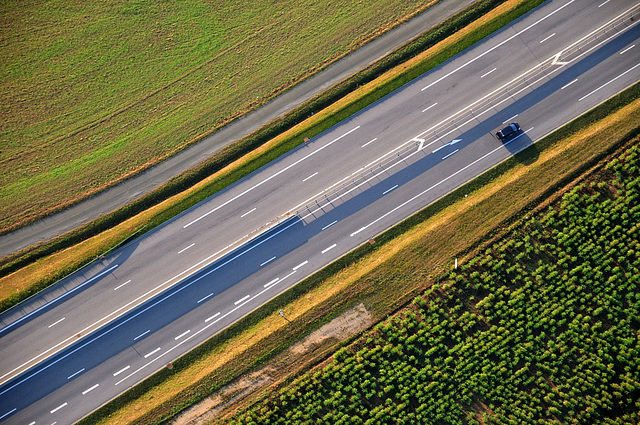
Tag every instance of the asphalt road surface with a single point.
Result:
(156, 298)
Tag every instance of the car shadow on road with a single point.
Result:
(522, 149)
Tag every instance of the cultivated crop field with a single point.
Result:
(541, 326)
(91, 92)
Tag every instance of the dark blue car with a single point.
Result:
(509, 130)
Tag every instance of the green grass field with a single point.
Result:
(91, 92)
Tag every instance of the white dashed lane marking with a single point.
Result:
(121, 285)
(389, 190)
(121, 370)
(242, 299)
(429, 107)
(182, 334)
(329, 225)
(74, 374)
(59, 407)
(312, 175)
(546, 38)
(328, 249)
(90, 389)
(141, 335)
(300, 265)
(56, 322)
(487, 73)
(152, 353)
(184, 249)
(248, 212)
(268, 261)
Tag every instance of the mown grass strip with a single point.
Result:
(388, 274)
(256, 150)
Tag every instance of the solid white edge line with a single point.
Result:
(152, 353)
(182, 334)
(45, 305)
(90, 389)
(429, 130)
(136, 314)
(59, 407)
(445, 135)
(352, 130)
(121, 285)
(304, 263)
(434, 186)
(166, 352)
(121, 370)
(329, 248)
(608, 82)
(242, 299)
(52, 301)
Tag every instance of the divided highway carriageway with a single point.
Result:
(100, 331)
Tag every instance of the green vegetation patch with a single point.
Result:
(91, 92)
(540, 327)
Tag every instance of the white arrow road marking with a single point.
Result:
(451, 143)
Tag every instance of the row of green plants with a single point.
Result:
(541, 326)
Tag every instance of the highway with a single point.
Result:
(133, 188)
(131, 313)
